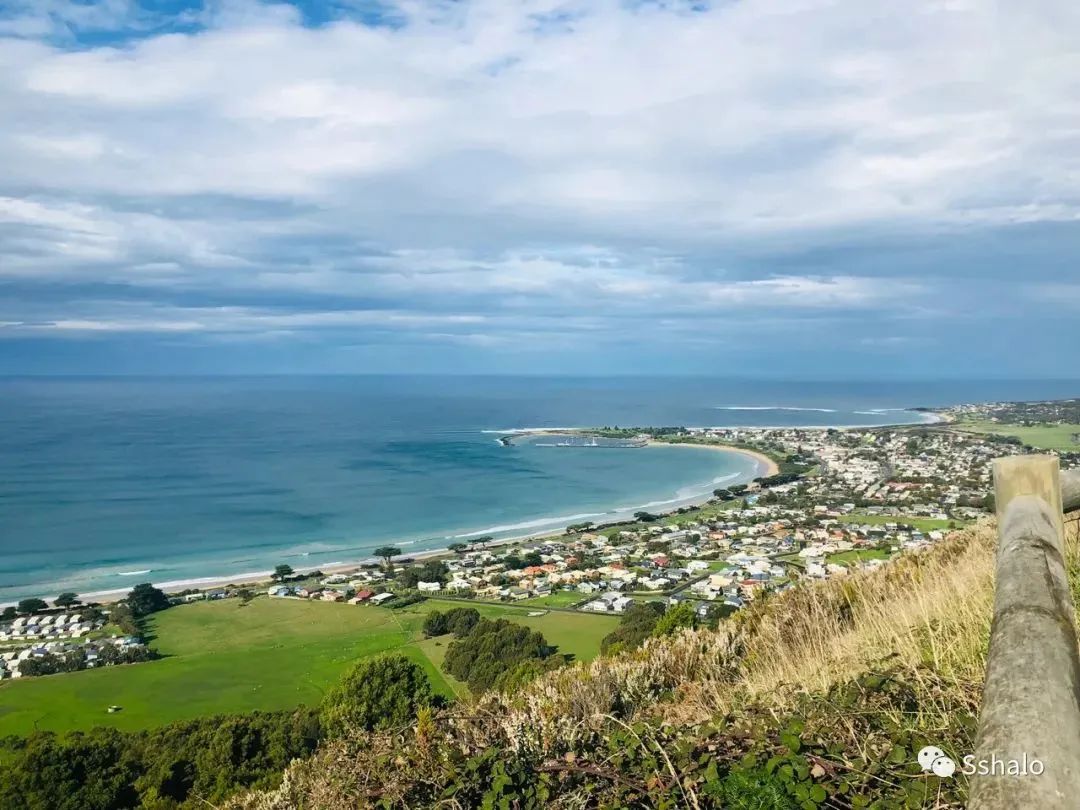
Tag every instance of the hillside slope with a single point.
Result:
(819, 697)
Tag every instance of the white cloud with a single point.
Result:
(520, 163)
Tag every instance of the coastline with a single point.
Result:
(764, 466)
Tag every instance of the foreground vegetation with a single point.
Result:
(819, 697)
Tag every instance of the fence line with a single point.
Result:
(1031, 699)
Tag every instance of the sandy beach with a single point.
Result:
(766, 466)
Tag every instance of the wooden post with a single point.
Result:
(1070, 491)
(1031, 698)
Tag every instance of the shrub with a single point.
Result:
(377, 693)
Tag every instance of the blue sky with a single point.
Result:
(808, 188)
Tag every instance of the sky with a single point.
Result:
(828, 188)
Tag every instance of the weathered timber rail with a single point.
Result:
(1031, 699)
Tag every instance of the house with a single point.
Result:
(382, 598)
(278, 590)
(429, 587)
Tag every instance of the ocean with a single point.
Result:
(107, 482)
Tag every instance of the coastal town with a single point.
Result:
(839, 500)
(844, 500)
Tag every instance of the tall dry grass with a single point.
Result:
(926, 615)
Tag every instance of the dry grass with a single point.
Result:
(929, 610)
(924, 615)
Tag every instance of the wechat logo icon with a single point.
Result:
(933, 760)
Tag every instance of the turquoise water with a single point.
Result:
(108, 482)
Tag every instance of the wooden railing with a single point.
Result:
(1031, 699)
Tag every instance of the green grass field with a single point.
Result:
(922, 524)
(557, 599)
(1045, 437)
(271, 654)
(858, 555)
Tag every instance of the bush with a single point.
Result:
(399, 602)
(676, 618)
(378, 693)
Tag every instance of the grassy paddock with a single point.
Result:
(858, 555)
(558, 599)
(1045, 437)
(271, 654)
(922, 524)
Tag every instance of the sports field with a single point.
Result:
(270, 654)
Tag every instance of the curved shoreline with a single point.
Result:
(764, 466)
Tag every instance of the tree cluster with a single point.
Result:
(145, 599)
(494, 650)
(430, 571)
(185, 764)
(515, 562)
(778, 479)
(75, 660)
(459, 621)
(637, 624)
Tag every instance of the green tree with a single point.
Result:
(282, 572)
(387, 553)
(145, 599)
(31, 605)
(9, 613)
(430, 571)
(458, 548)
(459, 621)
(378, 693)
(675, 619)
(636, 625)
(66, 599)
(491, 649)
